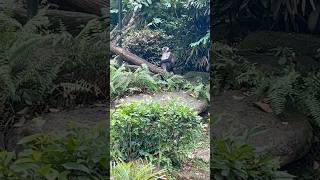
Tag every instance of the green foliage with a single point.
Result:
(286, 55)
(124, 81)
(79, 154)
(36, 62)
(223, 72)
(135, 171)
(177, 82)
(282, 90)
(163, 131)
(286, 15)
(287, 90)
(26, 76)
(310, 96)
(186, 22)
(236, 160)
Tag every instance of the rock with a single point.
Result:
(59, 122)
(193, 76)
(259, 43)
(304, 44)
(182, 97)
(289, 141)
(53, 110)
(23, 111)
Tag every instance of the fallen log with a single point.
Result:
(72, 20)
(134, 59)
(88, 6)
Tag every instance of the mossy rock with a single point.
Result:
(289, 138)
(195, 76)
(303, 44)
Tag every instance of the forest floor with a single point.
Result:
(197, 167)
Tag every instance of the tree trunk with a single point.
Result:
(72, 20)
(88, 6)
(134, 59)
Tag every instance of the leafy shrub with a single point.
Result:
(80, 153)
(135, 171)
(165, 131)
(234, 160)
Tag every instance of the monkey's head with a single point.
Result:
(165, 49)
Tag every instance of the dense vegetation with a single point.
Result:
(41, 66)
(181, 25)
(166, 132)
(281, 76)
(44, 65)
(163, 135)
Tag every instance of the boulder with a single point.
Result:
(289, 138)
(58, 122)
(303, 44)
(182, 97)
(256, 47)
(195, 76)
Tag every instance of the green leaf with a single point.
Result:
(76, 166)
(30, 138)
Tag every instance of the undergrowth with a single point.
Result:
(79, 154)
(287, 90)
(124, 81)
(40, 67)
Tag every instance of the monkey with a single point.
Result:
(168, 59)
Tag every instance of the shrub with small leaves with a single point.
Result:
(166, 131)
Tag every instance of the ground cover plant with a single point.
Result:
(125, 81)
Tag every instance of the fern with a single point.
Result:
(309, 97)
(312, 105)
(282, 89)
(34, 60)
(123, 80)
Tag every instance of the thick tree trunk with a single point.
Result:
(88, 6)
(134, 59)
(72, 20)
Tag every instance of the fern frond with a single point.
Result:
(281, 89)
